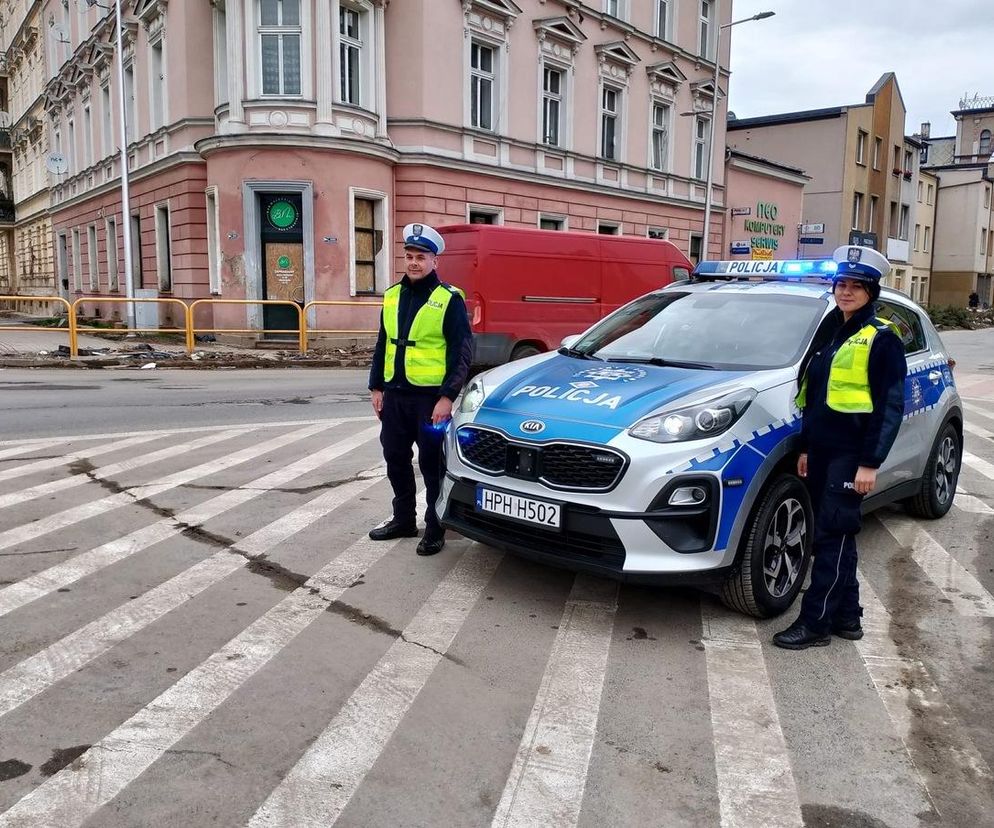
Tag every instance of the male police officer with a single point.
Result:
(420, 364)
(852, 396)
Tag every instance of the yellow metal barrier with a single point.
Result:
(75, 327)
(301, 329)
(36, 328)
(334, 303)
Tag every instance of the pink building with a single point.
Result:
(278, 146)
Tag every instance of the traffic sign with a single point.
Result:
(811, 229)
(811, 240)
(739, 247)
(742, 211)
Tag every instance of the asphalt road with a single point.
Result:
(195, 631)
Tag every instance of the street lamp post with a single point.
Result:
(129, 288)
(714, 116)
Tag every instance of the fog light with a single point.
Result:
(688, 496)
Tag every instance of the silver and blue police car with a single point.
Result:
(661, 444)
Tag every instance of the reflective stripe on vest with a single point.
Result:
(849, 376)
(425, 347)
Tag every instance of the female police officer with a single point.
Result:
(852, 398)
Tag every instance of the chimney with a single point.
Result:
(926, 128)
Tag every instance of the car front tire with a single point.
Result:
(938, 484)
(776, 552)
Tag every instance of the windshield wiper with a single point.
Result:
(670, 363)
(573, 352)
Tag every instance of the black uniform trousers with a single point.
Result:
(406, 420)
(833, 595)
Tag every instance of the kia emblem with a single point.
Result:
(532, 426)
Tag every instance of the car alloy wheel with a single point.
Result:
(783, 548)
(946, 466)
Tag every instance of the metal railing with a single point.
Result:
(189, 330)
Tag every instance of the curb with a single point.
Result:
(183, 363)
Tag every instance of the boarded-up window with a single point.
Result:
(368, 242)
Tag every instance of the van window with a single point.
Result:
(680, 273)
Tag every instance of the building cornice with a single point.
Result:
(770, 169)
(261, 140)
(28, 15)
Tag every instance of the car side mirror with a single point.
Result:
(569, 340)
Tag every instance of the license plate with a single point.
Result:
(520, 508)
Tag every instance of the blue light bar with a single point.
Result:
(780, 270)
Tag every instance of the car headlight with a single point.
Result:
(472, 398)
(694, 422)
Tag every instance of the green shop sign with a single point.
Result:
(282, 214)
(768, 231)
(283, 261)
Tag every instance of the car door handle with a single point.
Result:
(935, 376)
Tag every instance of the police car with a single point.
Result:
(660, 445)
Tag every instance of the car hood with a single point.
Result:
(610, 395)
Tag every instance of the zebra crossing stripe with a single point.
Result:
(71, 796)
(32, 676)
(966, 502)
(756, 784)
(966, 594)
(79, 566)
(66, 459)
(27, 448)
(106, 472)
(95, 508)
(979, 464)
(978, 410)
(549, 774)
(317, 789)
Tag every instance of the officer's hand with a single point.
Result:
(442, 412)
(802, 465)
(376, 397)
(866, 479)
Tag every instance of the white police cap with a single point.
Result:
(423, 237)
(863, 263)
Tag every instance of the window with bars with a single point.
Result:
(483, 79)
(552, 106)
(610, 111)
(279, 39)
(368, 241)
(660, 136)
(350, 32)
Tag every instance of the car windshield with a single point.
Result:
(722, 330)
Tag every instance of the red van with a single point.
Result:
(527, 289)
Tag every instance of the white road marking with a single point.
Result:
(549, 774)
(907, 692)
(979, 464)
(42, 583)
(980, 411)
(95, 508)
(756, 787)
(114, 469)
(71, 796)
(963, 590)
(37, 445)
(72, 457)
(165, 432)
(966, 502)
(32, 676)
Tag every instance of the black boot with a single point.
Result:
(850, 630)
(798, 636)
(394, 528)
(432, 542)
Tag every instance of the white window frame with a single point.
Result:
(280, 30)
(62, 258)
(918, 234)
(617, 9)
(981, 150)
(71, 146)
(872, 214)
(107, 128)
(690, 246)
(87, 136)
(705, 29)
(493, 77)
(921, 191)
(360, 45)
(158, 95)
(903, 221)
(213, 241)
(130, 104)
(220, 55)
(110, 244)
(381, 218)
(878, 144)
(137, 274)
(613, 226)
(163, 247)
(703, 143)
(664, 32)
(93, 264)
(617, 114)
(857, 210)
(861, 136)
(561, 98)
(77, 262)
(931, 193)
(666, 162)
(487, 210)
(925, 238)
(559, 217)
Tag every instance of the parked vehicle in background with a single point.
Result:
(527, 289)
(661, 445)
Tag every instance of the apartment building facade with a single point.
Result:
(277, 147)
(863, 169)
(26, 260)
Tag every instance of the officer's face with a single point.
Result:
(419, 263)
(850, 295)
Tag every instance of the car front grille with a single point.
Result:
(572, 466)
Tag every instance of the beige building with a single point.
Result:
(923, 238)
(963, 260)
(26, 262)
(863, 170)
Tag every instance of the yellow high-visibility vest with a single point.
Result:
(425, 347)
(849, 375)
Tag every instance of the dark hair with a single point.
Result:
(872, 288)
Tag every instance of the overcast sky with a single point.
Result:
(819, 53)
